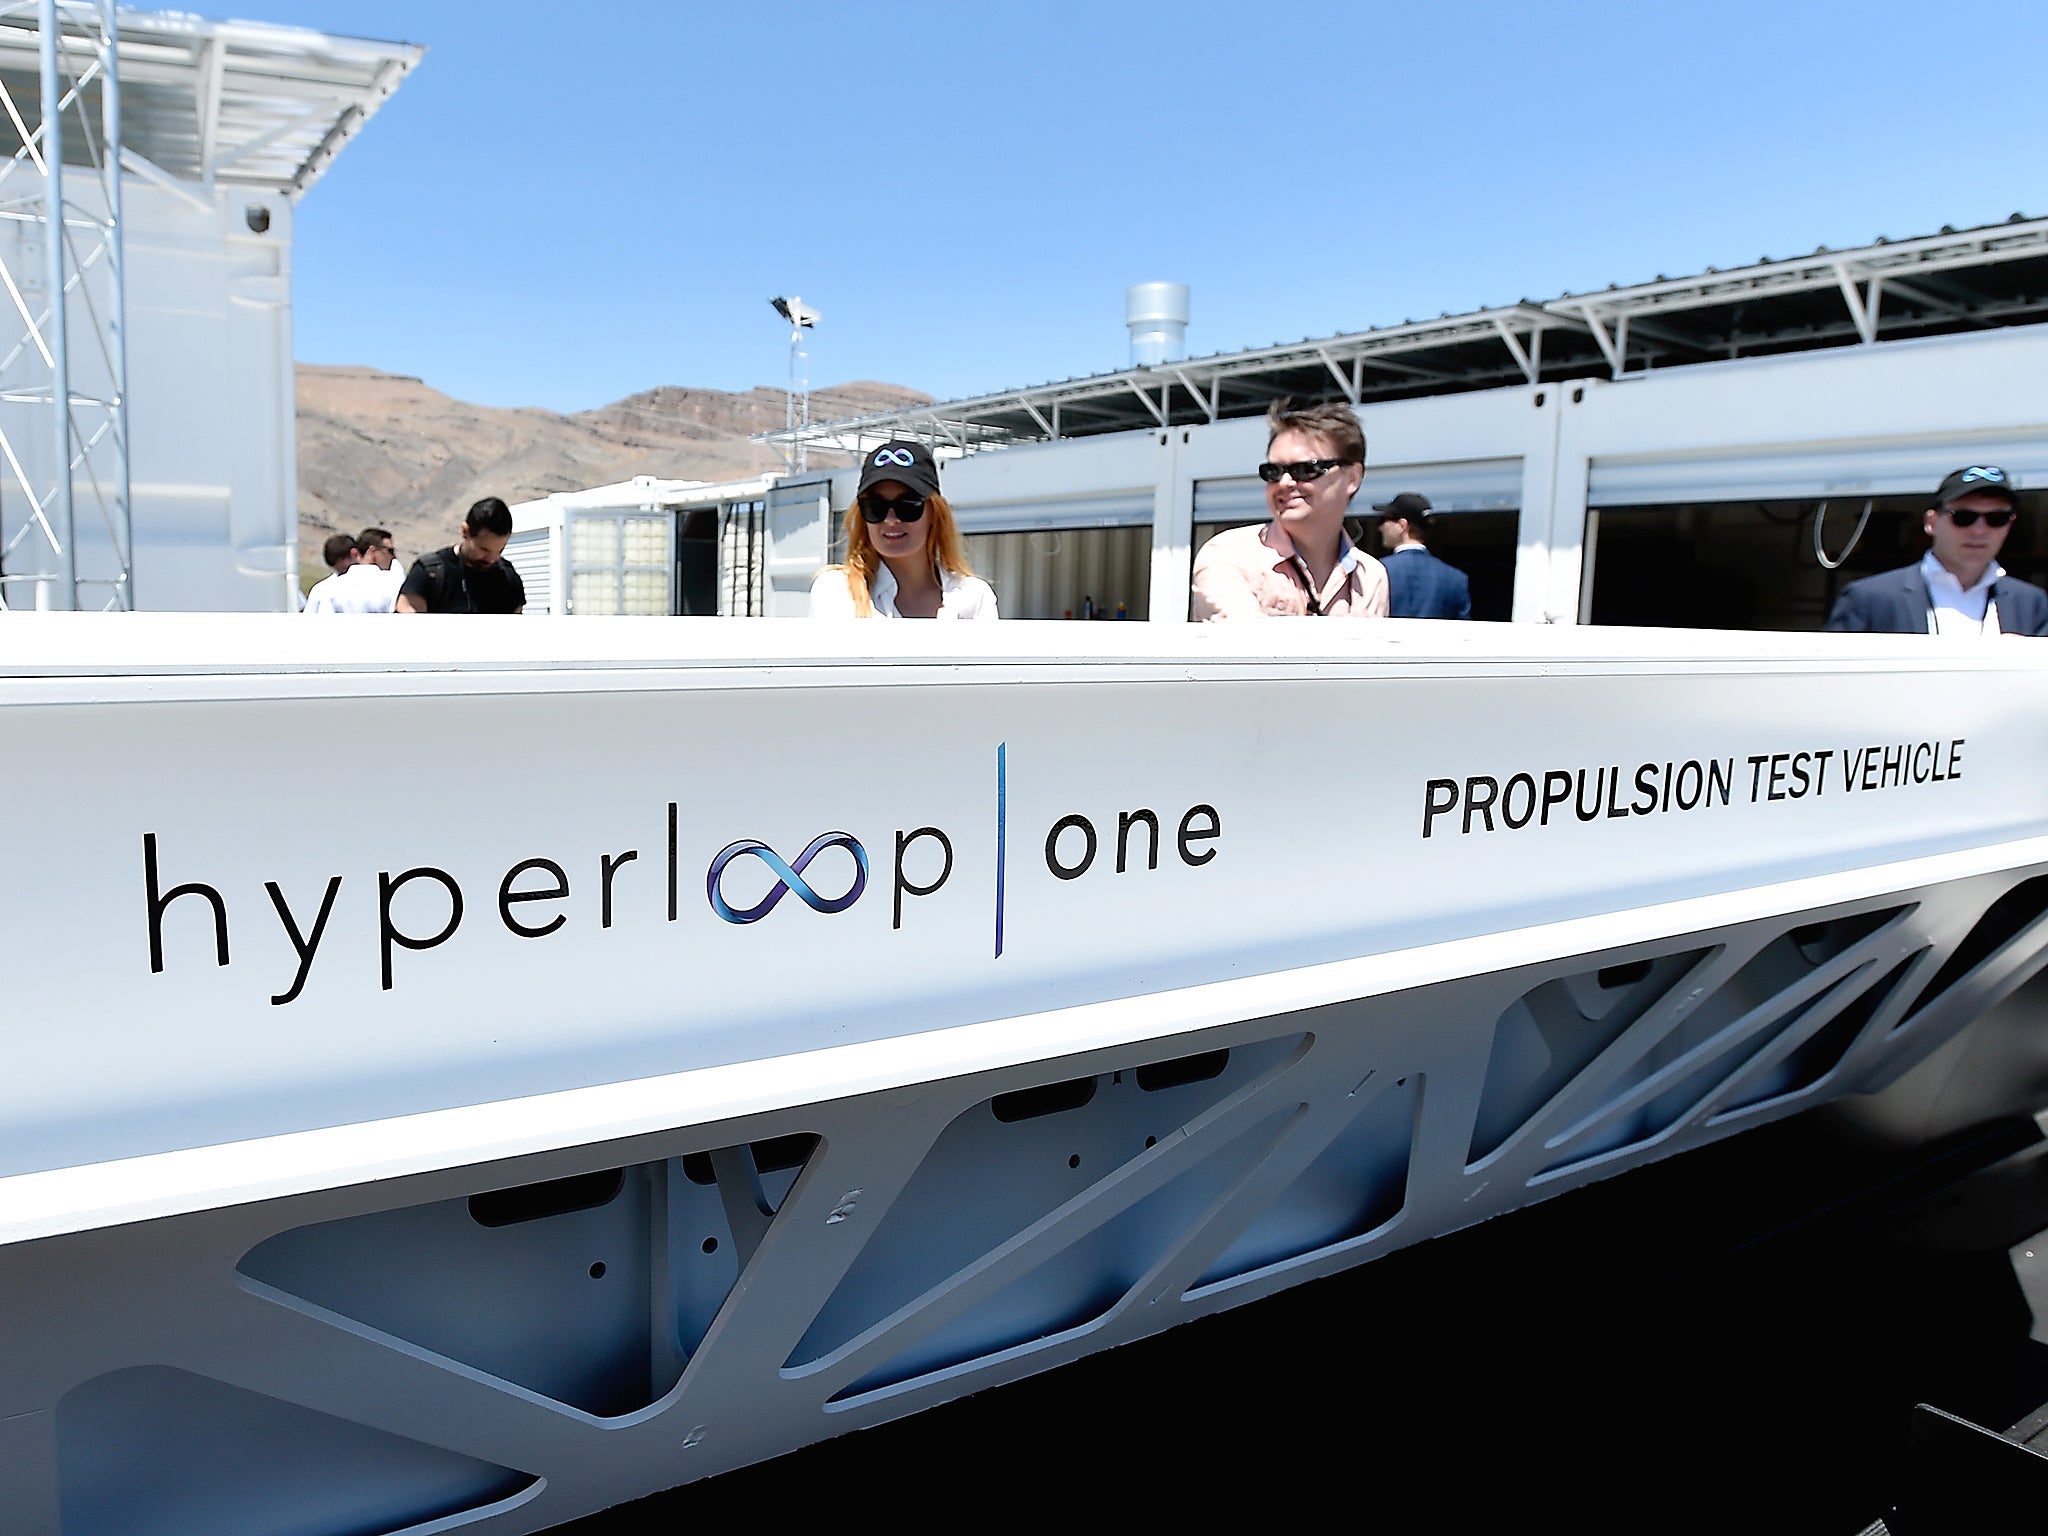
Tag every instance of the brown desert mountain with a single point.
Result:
(383, 449)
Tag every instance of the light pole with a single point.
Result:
(797, 414)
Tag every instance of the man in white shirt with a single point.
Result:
(1958, 587)
(372, 586)
(375, 545)
(364, 588)
(340, 554)
(368, 586)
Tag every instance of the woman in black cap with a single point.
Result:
(903, 554)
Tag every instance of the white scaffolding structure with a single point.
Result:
(210, 130)
(63, 374)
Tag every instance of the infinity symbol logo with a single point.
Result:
(901, 457)
(1979, 472)
(789, 877)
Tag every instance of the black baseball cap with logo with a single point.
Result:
(1408, 504)
(1978, 480)
(910, 463)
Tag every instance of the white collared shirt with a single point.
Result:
(318, 595)
(363, 588)
(960, 597)
(1952, 608)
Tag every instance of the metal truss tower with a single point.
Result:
(66, 537)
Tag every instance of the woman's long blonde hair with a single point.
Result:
(941, 546)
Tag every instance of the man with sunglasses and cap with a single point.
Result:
(1302, 562)
(1419, 586)
(1958, 588)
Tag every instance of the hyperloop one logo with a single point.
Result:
(788, 877)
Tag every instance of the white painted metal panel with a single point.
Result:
(383, 1346)
(1396, 715)
(260, 419)
(211, 419)
(1104, 1090)
(1112, 465)
(1438, 430)
(1867, 420)
(1125, 510)
(1955, 389)
(1471, 485)
(1869, 467)
(530, 553)
(1101, 482)
(798, 544)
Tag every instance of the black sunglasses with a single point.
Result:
(1302, 473)
(1964, 517)
(908, 507)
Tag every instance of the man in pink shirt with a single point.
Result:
(1302, 562)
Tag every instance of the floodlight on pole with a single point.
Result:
(797, 412)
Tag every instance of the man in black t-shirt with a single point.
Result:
(471, 576)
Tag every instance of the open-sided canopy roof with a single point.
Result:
(237, 102)
(1952, 281)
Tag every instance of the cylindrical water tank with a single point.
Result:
(1157, 315)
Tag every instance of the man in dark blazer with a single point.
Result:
(1958, 587)
(1419, 586)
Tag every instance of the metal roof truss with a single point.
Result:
(1953, 281)
(209, 102)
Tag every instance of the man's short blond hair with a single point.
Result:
(1333, 421)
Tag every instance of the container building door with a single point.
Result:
(1067, 557)
(799, 544)
(1728, 541)
(697, 561)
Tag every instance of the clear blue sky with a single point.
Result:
(565, 204)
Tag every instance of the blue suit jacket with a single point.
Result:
(1896, 603)
(1420, 586)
